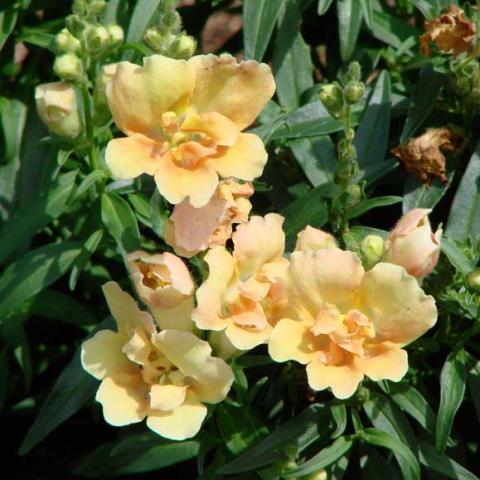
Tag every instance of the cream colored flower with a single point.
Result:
(191, 230)
(58, 109)
(344, 323)
(184, 121)
(164, 377)
(165, 285)
(311, 238)
(413, 245)
(241, 295)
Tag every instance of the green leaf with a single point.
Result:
(367, 11)
(8, 19)
(73, 388)
(419, 195)
(322, 459)
(89, 181)
(392, 30)
(422, 101)
(411, 401)
(158, 214)
(431, 8)
(137, 453)
(33, 272)
(442, 464)
(339, 414)
(16, 233)
(13, 115)
(309, 209)
(316, 156)
(259, 17)
(374, 466)
(323, 6)
(453, 380)
(349, 13)
(456, 257)
(371, 203)
(464, 219)
(474, 387)
(371, 139)
(291, 63)
(120, 221)
(409, 466)
(311, 424)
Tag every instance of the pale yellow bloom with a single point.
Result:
(184, 120)
(413, 245)
(191, 230)
(58, 109)
(165, 285)
(344, 323)
(241, 295)
(164, 377)
(311, 238)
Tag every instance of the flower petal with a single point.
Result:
(180, 423)
(102, 355)
(395, 303)
(176, 183)
(291, 340)
(384, 362)
(129, 157)
(167, 397)
(218, 127)
(238, 91)
(177, 318)
(123, 401)
(138, 96)
(246, 339)
(244, 160)
(342, 379)
(211, 377)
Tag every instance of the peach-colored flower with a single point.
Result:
(311, 238)
(164, 377)
(184, 120)
(165, 285)
(241, 295)
(413, 245)
(191, 230)
(345, 323)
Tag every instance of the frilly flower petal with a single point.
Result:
(218, 127)
(167, 397)
(384, 362)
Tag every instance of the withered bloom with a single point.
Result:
(451, 32)
(423, 156)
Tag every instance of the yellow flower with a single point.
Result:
(164, 377)
(413, 245)
(165, 285)
(191, 230)
(58, 109)
(184, 121)
(345, 323)
(241, 295)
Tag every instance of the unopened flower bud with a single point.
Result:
(372, 248)
(97, 7)
(116, 34)
(473, 280)
(75, 25)
(183, 47)
(102, 112)
(68, 67)
(354, 195)
(171, 21)
(318, 475)
(354, 72)
(158, 41)
(66, 42)
(97, 39)
(332, 98)
(79, 7)
(58, 109)
(354, 92)
(311, 238)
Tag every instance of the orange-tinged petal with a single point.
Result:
(244, 160)
(395, 303)
(176, 183)
(218, 127)
(384, 362)
(342, 379)
(123, 401)
(291, 340)
(239, 91)
(167, 397)
(180, 423)
(129, 157)
(138, 96)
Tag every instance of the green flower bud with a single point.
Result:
(102, 112)
(354, 92)
(354, 195)
(97, 7)
(66, 42)
(331, 96)
(158, 42)
(116, 34)
(184, 47)
(473, 280)
(75, 25)
(97, 39)
(318, 475)
(79, 7)
(354, 72)
(171, 21)
(68, 67)
(372, 249)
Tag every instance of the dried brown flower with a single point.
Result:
(423, 157)
(451, 32)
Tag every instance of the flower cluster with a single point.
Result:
(319, 306)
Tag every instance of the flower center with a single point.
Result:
(154, 276)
